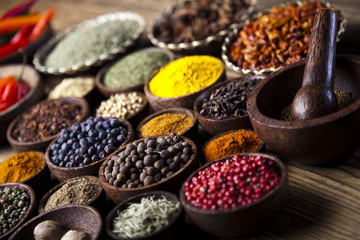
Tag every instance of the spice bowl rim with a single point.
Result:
(107, 185)
(174, 110)
(84, 112)
(136, 198)
(196, 44)
(49, 215)
(42, 53)
(49, 193)
(53, 166)
(211, 120)
(233, 33)
(283, 180)
(258, 149)
(108, 91)
(32, 205)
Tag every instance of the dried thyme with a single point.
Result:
(144, 218)
(89, 42)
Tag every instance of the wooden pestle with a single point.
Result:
(316, 97)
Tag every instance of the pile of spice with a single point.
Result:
(14, 203)
(72, 87)
(90, 41)
(186, 75)
(135, 68)
(196, 20)
(45, 120)
(88, 142)
(277, 38)
(234, 182)
(228, 100)
(165, 124)
(80, 191)
(344, 99)
(144, 218)
(50, 229)
(122, 105)
(148, 161)
(240, 141)
(20, 167)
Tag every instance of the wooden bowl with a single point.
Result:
(41, 145)
(171, 184)
(107, 91)
(204, 160)
(241, 220)
(30, 192)
(186, 101)
(33, 96)
(64, 173)
(98, 199)
(76, 217)
(314, 141)
(189, 132)
(169, 231)
(215, 126)
(30, 49)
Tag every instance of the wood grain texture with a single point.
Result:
(323, 201)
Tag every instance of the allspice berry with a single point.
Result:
(49, 229)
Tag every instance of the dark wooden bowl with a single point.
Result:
(107, 92)
(314, 141)
(169, 231)
(33, 96)
(98, 199)
(190, 132)
(171, 184)
(215, 126)
(140, 114)
(241, 220)
(64, 173)
(30, 49)
(202, 156)
(41, 145)
(30, 192)
(186, 101)
(75, 217)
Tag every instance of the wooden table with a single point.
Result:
(324, 202)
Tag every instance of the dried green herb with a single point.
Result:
(89, 42)
(146, 217)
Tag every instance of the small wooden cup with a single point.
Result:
(189, 132)
(186, 101)
(32, 97)
(75, 217)
(172, 183)
(241, 220)
(64, 173)
(41, 145)
(98, 199)
(30, 192)
(215, 126)
(169, 231)
(107, 91)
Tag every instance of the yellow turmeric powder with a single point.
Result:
(235, 142)
(185, 75)
(20, 167)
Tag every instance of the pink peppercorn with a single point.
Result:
(234, 182)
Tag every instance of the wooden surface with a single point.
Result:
(324, 201)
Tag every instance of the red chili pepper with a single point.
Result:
(21, 39)
(40, 26)
(9, 94)
(4, 106)
(3, 82)
(23, 89)
(18, 9)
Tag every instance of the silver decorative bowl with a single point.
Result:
(41, 54)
